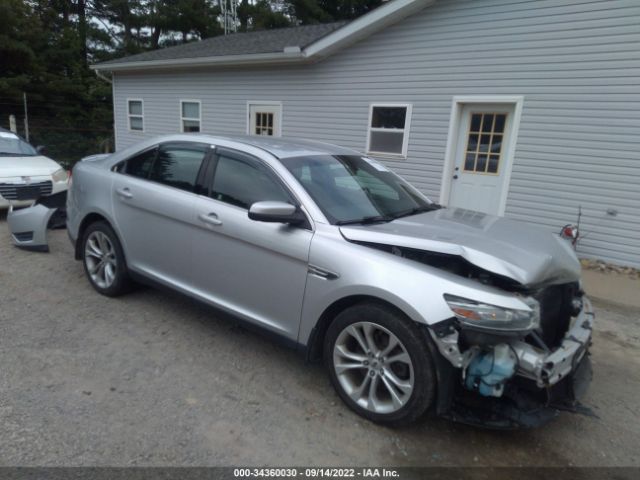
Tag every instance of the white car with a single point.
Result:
(25, 175)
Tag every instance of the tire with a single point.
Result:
(406, 369)
(100, 246)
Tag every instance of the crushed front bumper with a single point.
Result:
(545, 383)
(548, 368)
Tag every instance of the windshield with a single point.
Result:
(355, 189)
(11, 144)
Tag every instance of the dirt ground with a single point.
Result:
(156, 379)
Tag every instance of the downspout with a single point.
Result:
(102, 76)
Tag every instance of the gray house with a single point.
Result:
(523, 108)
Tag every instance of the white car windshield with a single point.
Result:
(11, 144)
(351, 189)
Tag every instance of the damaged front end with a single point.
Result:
(498, 367)
(522, 369)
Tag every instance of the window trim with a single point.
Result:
(182, 119)
(406, 130)
(200, 179)
(129, 115)
(201, 171)
(125, 162)
(267, 103)
(249, 158)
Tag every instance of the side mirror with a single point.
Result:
(40, 148)
(277, 212)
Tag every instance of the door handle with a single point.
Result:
(455, 177)
(124, 193)
(210, 218)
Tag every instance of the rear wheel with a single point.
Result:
(103, 260)
(380, 364)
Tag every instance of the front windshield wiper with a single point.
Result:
(365, 220)
(416, 210)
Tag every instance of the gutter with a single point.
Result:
(348, 34)
(283, 57)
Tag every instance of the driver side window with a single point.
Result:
(241, 182)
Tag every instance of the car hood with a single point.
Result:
(527, 254)
(27, 166)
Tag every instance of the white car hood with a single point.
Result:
(27, 166)
(524, 253)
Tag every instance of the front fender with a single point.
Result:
(356, 270)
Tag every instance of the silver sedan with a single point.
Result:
(412, 307)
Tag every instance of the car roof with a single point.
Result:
(283, 147)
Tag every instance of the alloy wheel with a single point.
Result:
(373, 367)
(100, 259)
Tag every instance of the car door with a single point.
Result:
(255, 269)
(153, 200)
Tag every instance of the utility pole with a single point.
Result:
(26, 117)
(228, 11)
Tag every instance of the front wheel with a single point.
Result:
(379, 364)
(103, 260)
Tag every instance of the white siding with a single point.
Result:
(576, 62)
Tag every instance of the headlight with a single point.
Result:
(481, 316)
(60, 175)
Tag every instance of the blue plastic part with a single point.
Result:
(488, 371)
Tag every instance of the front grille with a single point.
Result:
(556, 309)
(23, 236)
(12, 191)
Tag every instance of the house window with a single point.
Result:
(265, 118)
(190, 115)
(389, 129)
(136, 116)
(484, 142)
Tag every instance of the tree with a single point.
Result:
(322, 11)
(261, 15)
(46, 47)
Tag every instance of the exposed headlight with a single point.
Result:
(60, 175)
(481, 316)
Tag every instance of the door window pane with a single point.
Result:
(242, 183)
(140, 165)
(485, 136)
(178, 165)
(264, 123)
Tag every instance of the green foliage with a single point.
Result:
(46, 47)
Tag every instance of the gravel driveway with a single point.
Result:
(155, 379)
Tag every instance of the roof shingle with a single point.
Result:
(263, 41)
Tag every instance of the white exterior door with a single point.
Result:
(478, 180)
(265, 119)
